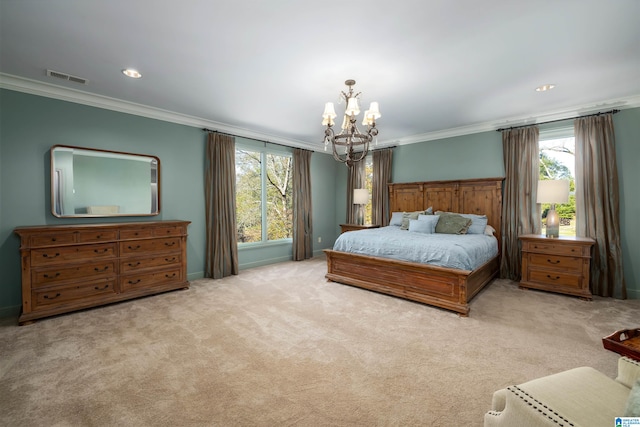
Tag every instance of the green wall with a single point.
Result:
(30, 125)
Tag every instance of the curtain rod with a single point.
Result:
(275, 143)
(614, 111)
(245, 137)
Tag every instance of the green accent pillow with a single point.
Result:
(452, 224)
(408, 216)
(633, 403)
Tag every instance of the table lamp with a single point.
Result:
(553, 191)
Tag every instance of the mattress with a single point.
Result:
(462, 252)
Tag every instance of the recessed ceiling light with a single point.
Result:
(544, 88)
(130, 72)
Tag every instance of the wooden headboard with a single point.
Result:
(482, 196)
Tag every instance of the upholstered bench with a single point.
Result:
(580, 397)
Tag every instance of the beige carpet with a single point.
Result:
(280, 346)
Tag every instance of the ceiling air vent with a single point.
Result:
(67, 77)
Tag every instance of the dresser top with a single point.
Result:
(76, 227)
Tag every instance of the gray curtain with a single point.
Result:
(221, 257)
(597, 202)
(302, 224)
(355, 179)
(520, 213)
(382, 162)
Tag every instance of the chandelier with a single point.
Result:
(355, 142)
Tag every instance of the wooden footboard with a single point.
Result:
(441, 287)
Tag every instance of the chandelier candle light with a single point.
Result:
(360, 198)
(553, 191)
(355, 142)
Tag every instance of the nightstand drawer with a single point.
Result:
(552, 247)
(554, 278)
(556, 262)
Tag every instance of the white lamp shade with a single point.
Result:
(345, 122)
(329, 111)
(374, 110)
(353, 109)
(368, 119)
(360, 196)
(553, 191)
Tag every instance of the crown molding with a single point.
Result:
(562, 114)
(49, 90)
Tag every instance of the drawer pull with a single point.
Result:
(51, 256)
(170, 276)
(134, 265)
(170, 259)
(46, 276)
(53, 297)
(169, 243)
(101, 270)
(553, 278)
(553, 262)
(132, 282)
(101, 251)
(134, 248)
(97, 288)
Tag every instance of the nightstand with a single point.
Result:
(352, 227)
(557, 264)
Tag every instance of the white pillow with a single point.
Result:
(424, 225)
(489, 230)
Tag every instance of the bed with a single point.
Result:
(444, 287)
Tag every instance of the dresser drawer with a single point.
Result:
(97, 236)
(71, 293)
(556, 262)
(47, 276)
(169, 231)
(159, 278)
(552, 247)
(134, 264)
(136, 233)
(52, 239)
(136, 247)
(555, 278)
(65, 254)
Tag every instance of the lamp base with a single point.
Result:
(553, 223)
(360, 216)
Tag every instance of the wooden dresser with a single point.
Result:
(556, 264)
(71, 267)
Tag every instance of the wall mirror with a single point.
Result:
(99, 183)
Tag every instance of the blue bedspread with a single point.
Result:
(463, 252)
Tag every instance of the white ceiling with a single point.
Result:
(265, 68)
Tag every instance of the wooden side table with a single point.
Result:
(352, 227)
(557, 264)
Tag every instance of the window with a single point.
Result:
(263, 196)
(557, 161)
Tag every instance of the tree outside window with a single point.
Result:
(264, 209)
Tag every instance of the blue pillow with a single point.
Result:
(426, 225)
(396, 218)
(478, 223)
